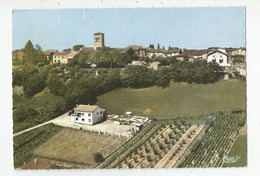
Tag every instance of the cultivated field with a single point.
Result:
(180, 99)
(169, 144)
(163, 145)
(78, 146)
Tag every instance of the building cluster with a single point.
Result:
(226, 57)
(92, 114)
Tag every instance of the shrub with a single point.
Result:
(98, 157)
(148, 157)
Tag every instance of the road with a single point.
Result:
(37, 126)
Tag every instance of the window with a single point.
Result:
(97, 112)
(89, 114)
(89, 120)
(82, 114)
(214, 60)
(220, 56)
(77, 119)
(220, 60)
(100, 112)
(83, 120)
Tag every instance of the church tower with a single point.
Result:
(99, 40)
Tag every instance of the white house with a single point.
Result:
(218, 57)
(87, 114)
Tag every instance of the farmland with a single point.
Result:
(74, 146)
(180, 144)
(177, 100)
(239, 149)
(217, 141)
(25, 144)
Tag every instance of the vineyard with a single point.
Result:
(26, 143)
(217, 142)
(161, 145)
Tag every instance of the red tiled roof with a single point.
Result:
(156, 51)
(87, 49)
(193, 53)
(18, 54)
(173, 51)
(134, 47)
(46, 53)
(36, 164)
(64, 53)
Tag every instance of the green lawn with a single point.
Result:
(239, 149)
(180, 99)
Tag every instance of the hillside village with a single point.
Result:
(128, 107)
(231, 59)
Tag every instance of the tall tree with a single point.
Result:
(158, 46)
(33, 55)
(163, 48)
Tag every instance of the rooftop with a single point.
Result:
(36, 164)
(86, 108)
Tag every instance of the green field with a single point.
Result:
(26, 143)
(239, 148)
(180, 99)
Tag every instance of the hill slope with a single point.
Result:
(180, 99)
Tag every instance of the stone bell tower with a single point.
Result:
(99, 40)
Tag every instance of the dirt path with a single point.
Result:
(37, 126)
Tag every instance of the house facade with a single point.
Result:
(137, 63)
(240, 52)
(155, 52)
(191, 55)
(219, 57)
(87, 114)
(64, 57)
(173, 52)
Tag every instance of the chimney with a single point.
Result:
(35, 161)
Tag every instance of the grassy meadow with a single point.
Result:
(239, 148)
(179, 99)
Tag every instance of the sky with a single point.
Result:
(195, 28)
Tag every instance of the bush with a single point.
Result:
(98, 157)
(148, 157)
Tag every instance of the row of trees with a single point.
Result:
(75, 85)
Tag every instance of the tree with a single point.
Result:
(151, 46)
(158, 46)
(108, 58)
(137, 77)
(32, 55)
(18, 77)
(131, 53)
(98, 157)
(163, 48)
(56, 85)
(68, 49)
(77, 47)
(33, 85)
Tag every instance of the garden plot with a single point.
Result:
(79, 146)
(157, 144)
(217, 141)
